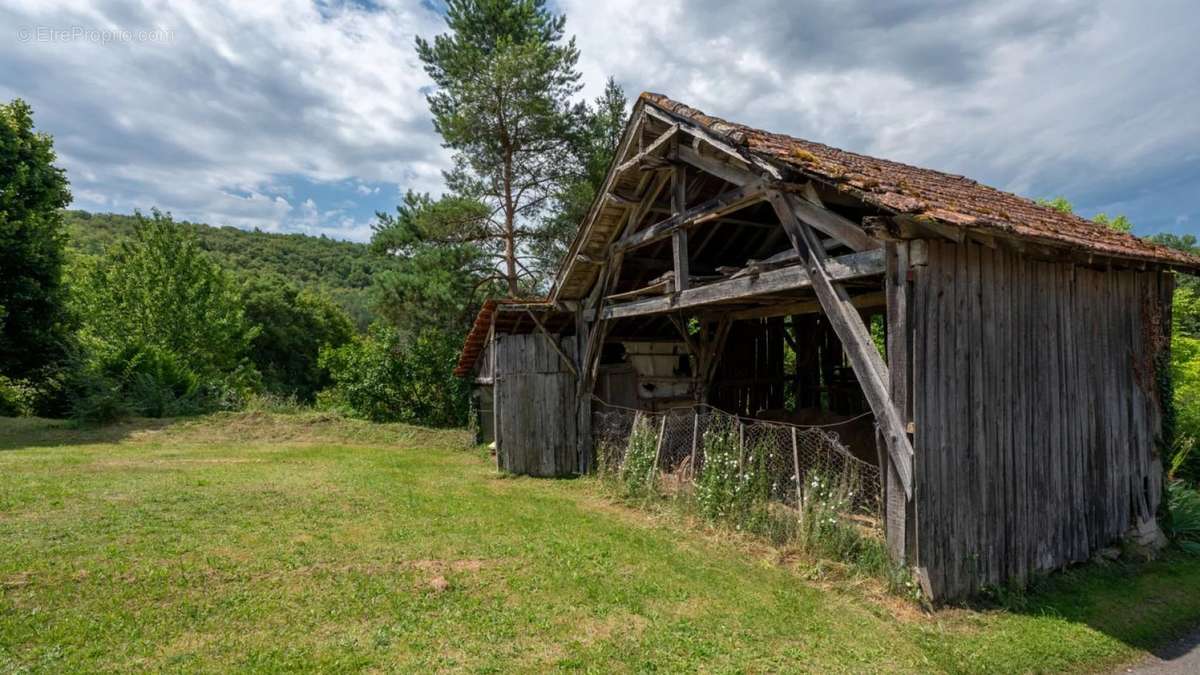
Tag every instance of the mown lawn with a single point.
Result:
(265, 543)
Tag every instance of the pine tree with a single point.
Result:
(505, 76)
(33, 192)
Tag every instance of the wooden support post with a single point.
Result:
(583, 412)
(856, 340)
(722, 337)
(741, 443)
(898, 514)
(796, 469)
(662, 429)
(695, 440)
(679, 238)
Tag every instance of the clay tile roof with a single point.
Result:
(924, 193)
(477, 337)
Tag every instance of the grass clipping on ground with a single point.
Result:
(269, 542)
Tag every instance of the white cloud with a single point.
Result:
(242, 97)
(251, 109)
(1094, 100)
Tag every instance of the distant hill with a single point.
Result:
(342, 269)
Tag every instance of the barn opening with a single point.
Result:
(995, 360)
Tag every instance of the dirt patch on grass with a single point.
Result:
(160, 463)
(442, 566)
(587, 632)
(18, 580)
(601, 629)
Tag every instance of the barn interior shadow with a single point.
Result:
(34, 432)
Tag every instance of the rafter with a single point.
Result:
(726, 202)
(650, 151)
(832, 224)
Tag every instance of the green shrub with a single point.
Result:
(99, 400)
(163, 330)
(386, 377)
(1184, 378)
(150, 381)
(825, 501)
(733, 484)
(16, 397)
(639, 471)
(1183, 516)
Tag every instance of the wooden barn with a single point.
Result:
(1018, 407)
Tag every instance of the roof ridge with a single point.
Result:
(899, 187)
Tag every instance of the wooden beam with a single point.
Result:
(856, 340)
(658, 144)
(723, 203)
(864, 301)
(764, 167)
(726, 171)
(897, 508)
(617, 199)
(554, 343)
(679, 238)
(832, 224)
(851, 266)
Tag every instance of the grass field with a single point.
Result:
(305, 542)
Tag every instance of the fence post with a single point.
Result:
(741, 444)
(662, 428)
(695, 438)
(796, 469)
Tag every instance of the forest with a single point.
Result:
(343, 270)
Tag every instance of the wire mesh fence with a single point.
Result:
(731, 462)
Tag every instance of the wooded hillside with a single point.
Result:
(342, 269)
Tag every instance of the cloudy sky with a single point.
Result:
(290, 115)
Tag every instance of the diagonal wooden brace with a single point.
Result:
(868, 365)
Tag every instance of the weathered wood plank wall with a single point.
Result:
(536, 423)
(1036, 412)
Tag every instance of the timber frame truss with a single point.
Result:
(676, 184)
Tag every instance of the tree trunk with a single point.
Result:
(510, 255)
(510, 243)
